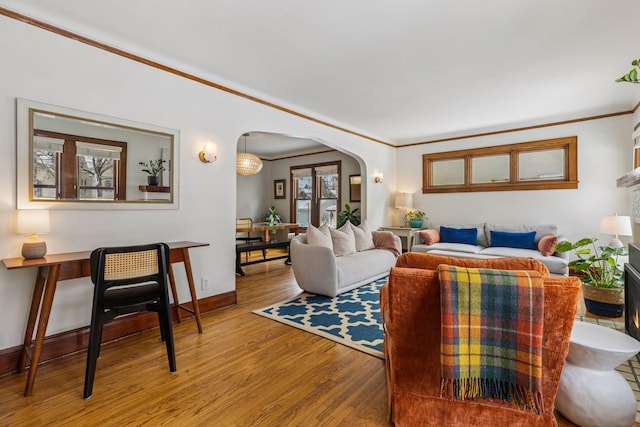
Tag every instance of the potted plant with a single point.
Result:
(602, 277)
(416, 218)
(348, 215)
(272, 216)
(153, 168)
(631, 76)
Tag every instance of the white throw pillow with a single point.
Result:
(344, 242)
(364, 238)
(320, 236)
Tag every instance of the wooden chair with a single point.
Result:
(128, 279)
(246, 237)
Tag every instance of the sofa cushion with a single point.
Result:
(547, 245)
(451, 247)
(360, 267)
(556, 265)
(430, 236)
(524, 240)
(467, 236)
(362, 234)
(344, 242)
(319, 236)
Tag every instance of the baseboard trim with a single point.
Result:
(75, 340)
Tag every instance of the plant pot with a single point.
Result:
(415, 223)
(152, 180)
(602, 301)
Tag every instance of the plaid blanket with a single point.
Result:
(492, 335)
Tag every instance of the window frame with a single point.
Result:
(569, 180)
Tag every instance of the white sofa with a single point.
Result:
(556, 263)
(317, 270)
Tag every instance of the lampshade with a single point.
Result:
(33, 222)
(247, 163)
(617, 225)
(404, 200)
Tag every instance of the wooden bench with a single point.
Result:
(259, 246)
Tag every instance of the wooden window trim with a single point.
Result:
(568, 181)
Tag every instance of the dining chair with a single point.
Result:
(126, 280)
(246, 237)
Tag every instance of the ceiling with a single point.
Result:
(401, 72)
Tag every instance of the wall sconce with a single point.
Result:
(33, 222)
(208, 153)
(378, 178)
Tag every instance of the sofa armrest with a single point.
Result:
(314, 267)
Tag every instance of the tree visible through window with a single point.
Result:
(316, 193)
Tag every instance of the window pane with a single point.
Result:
(304, 188)
(328, 212)
(541, 165)
(95, 177)
(303, 209)
(329, 186)
(45, 167)
(448, 172)
(490, 169)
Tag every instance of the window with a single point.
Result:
(537, 165)
(75, 167)
(316, 194)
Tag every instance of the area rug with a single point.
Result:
(352, 318)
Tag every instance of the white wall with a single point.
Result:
(40, 66)
(604, 154)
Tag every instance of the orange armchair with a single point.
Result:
(410, 304)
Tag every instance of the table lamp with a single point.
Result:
(404, 201)
(616, 225)
(33, 222)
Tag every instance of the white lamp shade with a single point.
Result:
(616, 225)
(404, 200)
(247, 164)
(33, 222)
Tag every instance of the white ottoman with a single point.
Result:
(591, 392)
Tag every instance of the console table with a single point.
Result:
(407, 232)
(56, 267)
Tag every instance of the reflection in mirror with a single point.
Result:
(73, 159)
(541, 165)
(490, 169)
(448, 172)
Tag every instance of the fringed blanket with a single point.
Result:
(492, 335)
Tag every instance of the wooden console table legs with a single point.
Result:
(183, 256)
(43, 306)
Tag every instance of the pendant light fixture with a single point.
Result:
(247, 163)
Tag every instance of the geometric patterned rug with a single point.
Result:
(352, 318)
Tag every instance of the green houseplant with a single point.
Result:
(153, 168)
(631, 76)
(348, 215)
(272, 216)
(602, 277)
(416, 218)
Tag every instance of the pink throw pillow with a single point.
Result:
(547, 244)
(430, 236)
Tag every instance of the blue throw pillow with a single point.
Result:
(468, 236)
(508, 239)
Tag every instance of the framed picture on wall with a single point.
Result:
(279, 186)
(354, 188)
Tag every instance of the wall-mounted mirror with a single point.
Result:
(70, 159)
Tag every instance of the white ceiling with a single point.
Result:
(400, 71)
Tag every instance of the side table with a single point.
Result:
(407, 234)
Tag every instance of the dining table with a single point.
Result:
(266, 228)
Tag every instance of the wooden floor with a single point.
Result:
(244, 370)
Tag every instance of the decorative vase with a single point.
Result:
(415, 223)
(152, 180)
(602, 301)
